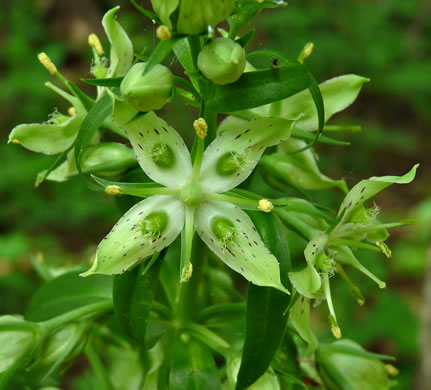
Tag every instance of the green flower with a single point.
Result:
(192, 198)
(329, 248)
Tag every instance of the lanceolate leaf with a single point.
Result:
(133, 298)
(265, 318)
(110, 82)
(91, 124)
(66, 293)
(254, 89)
(192, 366)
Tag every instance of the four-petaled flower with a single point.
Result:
(191, 198)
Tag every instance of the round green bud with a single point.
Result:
(223, 228)
(163, 156)
(230, 163)
(150, 91)
(222, 61)
(154, 224)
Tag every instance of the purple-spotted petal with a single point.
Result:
(232, 156)
(145, 229)
(160, 150)
(231, 235)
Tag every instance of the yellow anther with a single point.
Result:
(306, 52)
(260, 1)
(113, 190)
(39, 257)
(186, 274)
(391, 370)
(163, 33)
(94, 42)
(384, 248)
(336, 331)
(308, 49)
(16, 141)
(265, 205)
(71, 111)
(47, 63)
(201, 127)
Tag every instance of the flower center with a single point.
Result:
(192, 194)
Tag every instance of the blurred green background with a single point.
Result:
(388, 41)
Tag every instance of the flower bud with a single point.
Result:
(345, 364)
(150, 91)
(222, 61)
(14, 343)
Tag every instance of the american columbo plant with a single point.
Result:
(155, 296)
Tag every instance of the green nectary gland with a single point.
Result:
(154, 224)
(223, 229)
(229, 163)
(324, 263)
(163, 155)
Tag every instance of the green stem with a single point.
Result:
(297, 224)
(197, 163)
(84, 312)
(232, 199)
(100, 371)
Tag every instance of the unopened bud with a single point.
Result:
(94, 42)
(47, 63)
(113, 190)
(149, 91)
(222, 61)
(163, 33)
(265, 205)
(201, 127)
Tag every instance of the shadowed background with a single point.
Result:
(385, 40)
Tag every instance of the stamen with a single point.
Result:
(72, 111)
(47, 63)
(306, 52)
(201, 128)
(265, 205)
(94, 42)
(113, 190)
(163, 33)
(186, 273)
(16, 141)
(391, 370)
(384, 248)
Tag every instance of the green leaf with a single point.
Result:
(192, 366)
(169, 272)
(133, 298)
(145, 12)
(254, 89)
(265, 318)
(109, 82)
(121, 56)
(45, 137)
(90, 125)
(66, 293)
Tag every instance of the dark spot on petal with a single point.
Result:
(156, 131)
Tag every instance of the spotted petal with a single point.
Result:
(132, 241)
(160, 150)
(47, 138)
(243, 145)
(121, 46)
(244, 250)
(366, 189)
